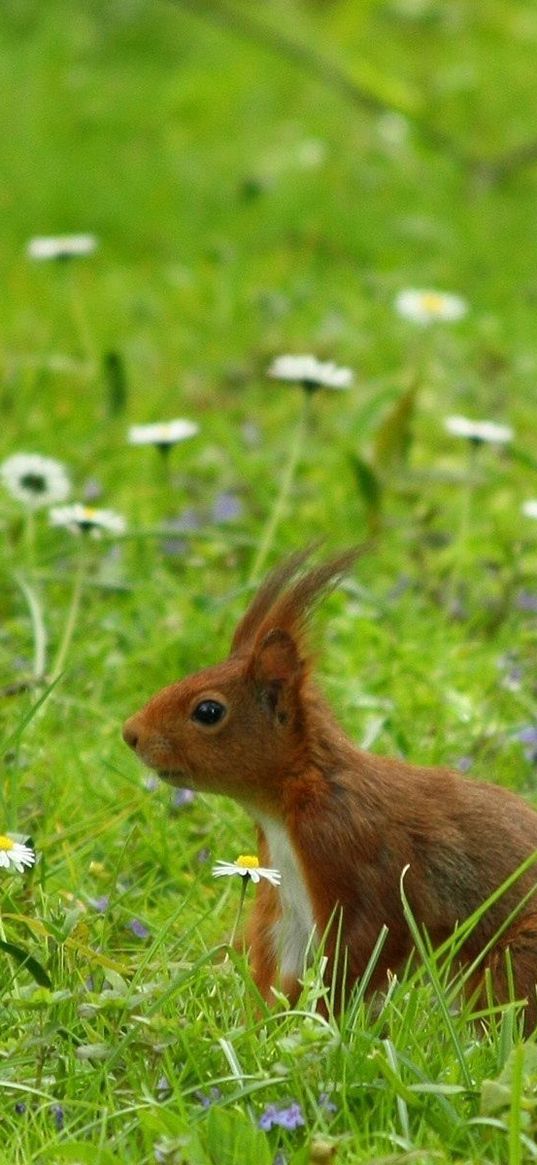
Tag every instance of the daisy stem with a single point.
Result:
(29, 537)
(278, 509)
(79, 316)
(244, 887)
(38, 627)
(164, 464)
(463, 535)
(72, 615)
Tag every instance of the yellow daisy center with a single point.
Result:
(247, 861)
(7, 843)
(432, 302)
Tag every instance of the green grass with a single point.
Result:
(244, 208)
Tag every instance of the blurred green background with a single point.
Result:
(232, 189)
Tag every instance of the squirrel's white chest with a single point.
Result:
(294, 932)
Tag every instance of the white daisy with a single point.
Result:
(246, 866)
(481, 432)
(15, 855)
(529, 508)
(310, 372)
(426, 307)
(61, 246)
(35, 480)
(79, 518)
(162, 434)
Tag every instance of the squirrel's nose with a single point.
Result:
(130, 733)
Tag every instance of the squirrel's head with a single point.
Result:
(240, 727)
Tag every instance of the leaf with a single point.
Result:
(82, 1152)
(28, 962)
(393, 437)
(177, 1142)
(232, 1137)
(494, 1097)
(11, 742)
(304, 1156)
(392, 1076)
(388, 90)
(93, 1052)
(115, 378)
(367, 481)
(36, 926)
(72, 943)
(92, 956)
(439, 1089)
(497, 1094)
(372, 410)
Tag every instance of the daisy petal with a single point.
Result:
(14, 854)
(482, 432)
(61, 246)
(246, 867)
(163, 433)
(310, 372)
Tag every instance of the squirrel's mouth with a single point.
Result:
(171, 777)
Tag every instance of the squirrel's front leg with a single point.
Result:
(262, 940)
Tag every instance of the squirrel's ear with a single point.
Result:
(276, 666)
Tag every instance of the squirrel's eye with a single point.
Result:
(208, 712)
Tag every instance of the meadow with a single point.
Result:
(255, 181)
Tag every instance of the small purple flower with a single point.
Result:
(59, 1117)
(182, 797)
(227, 508)
(268, 1118)
(174, 548)
(512, 680)
(400, 588)
(292, 1117)
(186, 523)
(206, 1099)
(93, 491)
(464, 764)
(150, 782)
(527, 601)
(281, 1116)
(326, 1103)
(100, 904)
(138, 928)
(512, 671)
(528, 736)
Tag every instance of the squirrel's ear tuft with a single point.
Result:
(265, 599)
(288, 595)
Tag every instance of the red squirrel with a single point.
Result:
(341, 824)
